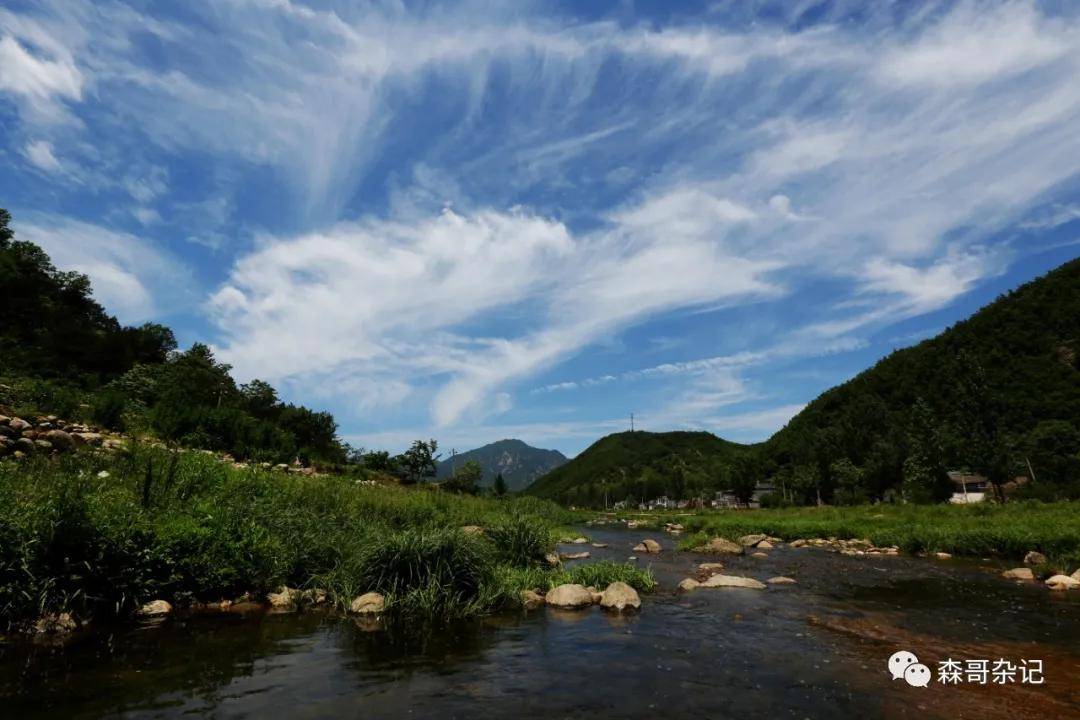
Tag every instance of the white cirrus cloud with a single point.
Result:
(132, 278)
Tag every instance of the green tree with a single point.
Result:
(925, 478)
(417, 464)
(1053, 449)
(850, 488)
(466, 479)
(499, 488)
(744, 478)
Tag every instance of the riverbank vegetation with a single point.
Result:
(97, 535)
(1006, 531)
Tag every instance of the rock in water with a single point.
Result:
(620, 597)
(1062, 582)
(573, 556)
(531, 600)
(284, 599)
(1034, 558)
(720, 546)
(580, 541)
(648, 546)
(765, 545)
(370, 603)
(751, 540)
(1019, 574)
(733, 581)
(781, 580)
(154, 608)
(688, 584)
(707, 569)
(798, 543)
(569, 596)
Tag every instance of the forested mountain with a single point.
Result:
(996, 394)
(518, 463)
(643, 464)
(61, 352)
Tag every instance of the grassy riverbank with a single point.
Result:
(97, 536)
(986, 530)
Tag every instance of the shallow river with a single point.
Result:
(817, 649)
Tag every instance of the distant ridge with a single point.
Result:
(519, 463)
(997, 394)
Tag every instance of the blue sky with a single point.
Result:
(471, 221)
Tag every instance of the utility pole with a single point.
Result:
(631, 422)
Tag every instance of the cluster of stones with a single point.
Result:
(711, 575)
(48, 434)
(51, 435)
(1057, 581)
(673, 528)
(616, 597)
(855, 547)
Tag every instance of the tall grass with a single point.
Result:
(98, 535)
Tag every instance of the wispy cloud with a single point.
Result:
(429, 207)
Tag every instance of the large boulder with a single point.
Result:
(751, 540)
(1019, 574)
(1034, 558)
(1062, 582)
(370, 603)
(720, 546)
(733, 581)
(798, 543)
(26, 445)
(689, 584)
(619, 596)
(765, 545)
(569, 596)
(154, 608)
(1076, 576)
(648, 546)
(60, 440)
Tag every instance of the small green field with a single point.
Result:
(97, 535)
(1006, 531)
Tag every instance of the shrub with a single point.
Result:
(436, 573)
(521, 540)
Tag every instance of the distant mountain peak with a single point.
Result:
(518, 462)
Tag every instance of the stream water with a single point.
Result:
(816, 649)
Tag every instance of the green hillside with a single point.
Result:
(642, 464)
(994, 394)
(519, 463)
